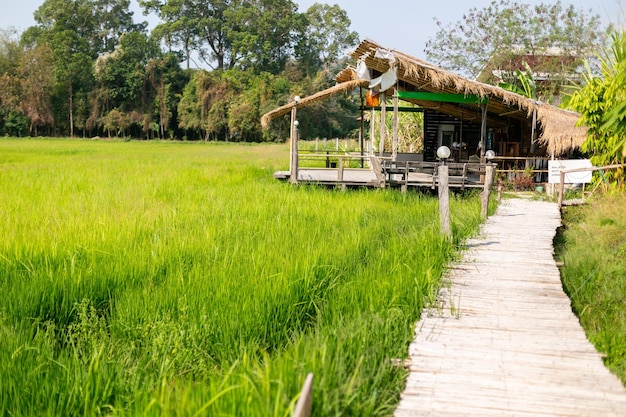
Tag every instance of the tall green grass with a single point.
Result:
(146, 278)
(592, 246)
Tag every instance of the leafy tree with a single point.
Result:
(179, 27)
(73, 69)
(12, 121)
(262, 33)
(37, 83)
(165, 83)
(140, 81)
(113, 20)
(100, 23)
(9, 51)
(600, 101)
(10, 86)
(204, 105)
(325, 36)
(77, 31)
(228, 33)
(492, 38)
(122, 72)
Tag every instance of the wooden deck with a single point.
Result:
(503, 340)
(403, 174)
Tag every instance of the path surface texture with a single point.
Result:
(503, 340)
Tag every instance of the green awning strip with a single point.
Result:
(443, 97)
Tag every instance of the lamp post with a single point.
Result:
(443, 153)
(293, 166)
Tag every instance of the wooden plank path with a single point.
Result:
(503, 340)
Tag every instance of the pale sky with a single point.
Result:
(405, 25)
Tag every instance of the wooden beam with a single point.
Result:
(443, 97)
(400, 109)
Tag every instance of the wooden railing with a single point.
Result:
(585, 169)
(335, 160)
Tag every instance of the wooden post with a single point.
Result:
(532, 131)
(383, 125)
(394, 151)
(340, 169)
(444, 201)
(293, 166)
(303, 406)
(484, 196)
(483, 134)
(561, 188)
(362, 127)
(372, 130)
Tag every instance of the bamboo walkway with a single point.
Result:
(503, 340)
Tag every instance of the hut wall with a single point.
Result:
(433, 119)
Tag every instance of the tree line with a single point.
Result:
(87, 68)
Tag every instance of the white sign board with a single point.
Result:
(582, 177)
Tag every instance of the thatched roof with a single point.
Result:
(558, 127)
(559, 131)
(307, 101)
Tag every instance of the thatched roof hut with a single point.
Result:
(557, 127)
(559, 130)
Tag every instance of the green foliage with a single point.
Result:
(9, 51)
(523, 83)
(592, 246)
(37, 86)
(600, 101)
(410, 132)
(326, 34)
(107, 77)
(160, 278)
(490, 38)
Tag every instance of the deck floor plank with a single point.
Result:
(502, 339)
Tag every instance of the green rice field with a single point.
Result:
(181, 279)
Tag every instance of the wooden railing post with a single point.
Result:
(303, 406)
(444, 200)
(484, 196)
(340, 169)
(561, 188)
(293, 174)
